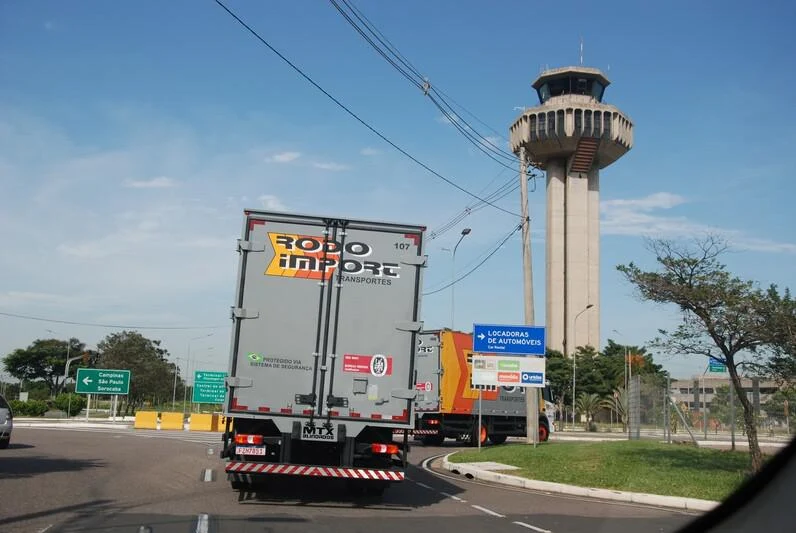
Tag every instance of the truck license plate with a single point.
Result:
(249, 450)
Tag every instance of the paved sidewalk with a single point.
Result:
(485, 472)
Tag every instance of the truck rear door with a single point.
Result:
(326, 319)
(428, 372)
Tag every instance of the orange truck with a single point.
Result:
(446, 405)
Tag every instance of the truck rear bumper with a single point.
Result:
(245, 467)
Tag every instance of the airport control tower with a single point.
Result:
(571, 135)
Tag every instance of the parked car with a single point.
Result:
(6, 423)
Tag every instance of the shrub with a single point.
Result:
(74, 403)
(29, 408)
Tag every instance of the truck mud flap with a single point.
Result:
(243, 467)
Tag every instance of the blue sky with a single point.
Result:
(132, 135)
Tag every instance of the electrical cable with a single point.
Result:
(113, 326)
(479, 265)
(354, 115)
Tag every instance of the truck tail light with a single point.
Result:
(387, 449)
(432, 422)
(256, 440)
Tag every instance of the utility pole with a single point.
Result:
(531, 393)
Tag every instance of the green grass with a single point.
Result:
(636, 466)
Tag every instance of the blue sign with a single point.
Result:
(509, 340)
(532, 378)
(716, 366)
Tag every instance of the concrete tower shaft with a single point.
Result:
(571, 135)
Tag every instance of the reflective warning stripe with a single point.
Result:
(416, 432)
(316, 471)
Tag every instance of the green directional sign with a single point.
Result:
(209, 387)
(716, 366)
(102, 381)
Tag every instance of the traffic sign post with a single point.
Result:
(209, 387)
(102, 381)
(509, 340)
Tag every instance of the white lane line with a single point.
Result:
(203, 523)
(424, 485)
(534, 528)
(208, 475)
(42, 530)
(453, 497)
(487, 511)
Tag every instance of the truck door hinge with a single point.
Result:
(238, 382)
(250, 246)
(404, 394)
(305, 399)
(242, 313)
(409, 326)
(416, 260)
(336, 401)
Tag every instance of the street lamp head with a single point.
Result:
(466, 231)
(589, 306)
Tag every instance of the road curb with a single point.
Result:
(673, 502)
(76, 425)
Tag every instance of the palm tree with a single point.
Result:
(618, 404)
(588, 404)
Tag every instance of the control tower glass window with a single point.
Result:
(571, 85)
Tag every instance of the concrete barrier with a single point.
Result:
(203, 422)
(172, 421)
(146, 420)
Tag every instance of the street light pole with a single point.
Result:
(187, 370)
(575, 357)
(465, 232)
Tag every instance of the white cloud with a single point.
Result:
(641, 217)
(283, 157)
(334, 167)
(369, 152)
(658, 200)
(269, 201)
(161, 182)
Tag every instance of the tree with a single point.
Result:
(559, 373)
(781, 405)
(723, 317)
(781, 319)
(720, 407)
(588, 404)
(151, 373)
(43, 361)
(617, 402)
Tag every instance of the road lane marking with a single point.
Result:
(208, 475)
(488, 511)
(42, 530)
(453, 497)
(424, 485)
(203, 523)
(529, 526)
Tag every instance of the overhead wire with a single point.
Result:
(354, 115)
(477, 266)
(411, 73)
(112, 326)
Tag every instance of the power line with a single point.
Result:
(355, 116)
(482, 142)
(476, 267)
(112, 326)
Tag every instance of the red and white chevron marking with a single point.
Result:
(317, 471)
(417, 432)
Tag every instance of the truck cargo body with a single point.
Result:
(322, 368)
(447, 402)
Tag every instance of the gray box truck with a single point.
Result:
(322, 360)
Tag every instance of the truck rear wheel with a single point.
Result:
(497, 439)
(433, 440)
(544, 433)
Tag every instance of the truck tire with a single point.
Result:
(433, 440)
(497, 439)
(474, 436)
(544, 433)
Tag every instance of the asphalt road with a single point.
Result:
(60, 480)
